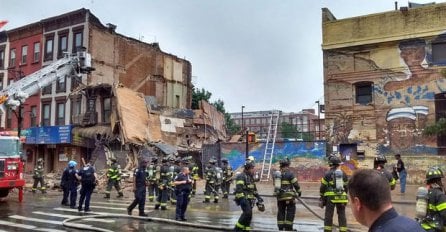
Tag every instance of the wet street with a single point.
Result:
(44, 213)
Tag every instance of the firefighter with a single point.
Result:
(286, 189)
(69, 184)
(193, 167)
(152, 177)
(38, 177)
(245, 196)
(114, 179)
(334, 194)
(211, 182)
(227, 177)
(435, 209)
(88, 178)
(163, 184)
(379, 163)
(139, 188)
(174, 170)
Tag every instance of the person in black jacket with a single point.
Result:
(69, 184)
(139, 188)
(88, 178)
(371, 203)
(183, 187)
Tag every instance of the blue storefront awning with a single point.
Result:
(48, 134)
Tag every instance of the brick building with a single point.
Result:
(384, 82)
(84, 105)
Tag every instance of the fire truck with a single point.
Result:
(11, 156)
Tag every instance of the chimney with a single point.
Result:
(111, 27)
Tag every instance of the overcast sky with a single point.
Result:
(263, 54)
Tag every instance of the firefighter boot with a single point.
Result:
(120, 194)
(215, 200)
(107, 196)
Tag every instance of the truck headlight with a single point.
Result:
(12, 166)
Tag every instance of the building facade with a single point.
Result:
(305, 123)
(66, 117)
(384, 83)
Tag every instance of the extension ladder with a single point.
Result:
(269, 146)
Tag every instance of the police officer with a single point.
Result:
(69, 184)
(193, 167)
(245, 195)
(211, 186)
(227, 177)
(38, 177)
(286, 189)
(183, 187)
(139, 188)
(163, 185)
(379, 163)
(436, 199)
(88, 179)
(114, 178)
(334, 194)
(152, 174)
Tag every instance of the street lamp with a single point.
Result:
(243, 124)
(318, 120)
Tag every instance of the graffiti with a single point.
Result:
(340, 129)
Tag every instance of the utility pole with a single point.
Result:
(318, 120)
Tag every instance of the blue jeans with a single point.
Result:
(403, 175)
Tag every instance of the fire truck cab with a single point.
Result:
(11, 165)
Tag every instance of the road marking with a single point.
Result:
(95, 212)
(28, 227)
(44, 221)
(71, 216)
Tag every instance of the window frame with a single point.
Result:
(78, 31)
(60, 121)
(106, 113)
(46, 121)
(61, 86)
(12, 57)
(33, 116)
(48, 55)
(359, 88)
(2, 57)
(24, 55)
(60, 50)
(36, 52)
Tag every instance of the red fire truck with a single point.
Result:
(11, 165)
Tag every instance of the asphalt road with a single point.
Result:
(44, 213)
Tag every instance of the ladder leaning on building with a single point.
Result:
(269, 146)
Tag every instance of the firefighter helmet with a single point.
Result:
(285, 162)
(334, 160)
(154, 159)
(434, 172)
(113, 159)
(212, 161)
(249, 164)
(380, 159)
(40, 160)
(224, 160)
(164, 160)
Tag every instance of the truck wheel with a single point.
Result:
(4, 192)
(20, 194)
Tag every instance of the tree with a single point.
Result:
(438, 128)
(290, 131)
(198, 95)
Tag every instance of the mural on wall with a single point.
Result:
(340, 128)
(307, 158)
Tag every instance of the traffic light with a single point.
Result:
(251, 137)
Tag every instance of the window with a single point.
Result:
(177, 101)
(36, 56)
(33, 115)
(439, 52)
(61, 85)
(9, 119)
(2, 59)
(364, 93)
(49, 48)
(24, 54)
(46, 114)
(60, 109)
(75, 109)
(12, 58)
(77, 40)
(63, 45)
(47, 90)
(106, 110)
